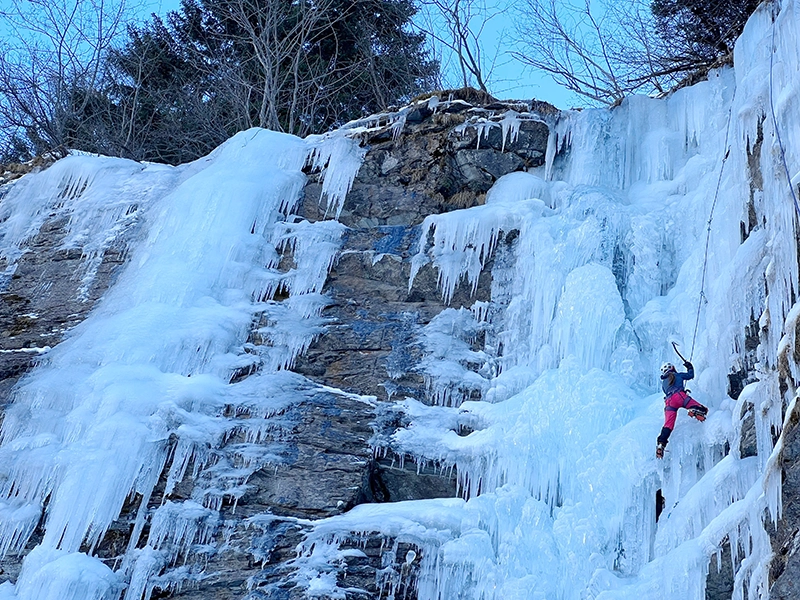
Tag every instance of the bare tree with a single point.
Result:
(604, 49)
(53, 64)
(309, 54)
(280, 34)
(458, 27)
(575, 44)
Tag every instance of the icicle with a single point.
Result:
(101, 198)
(397, 127)
(179, 526)
(88, 428)
(450, 364)
(510, 124)
(463, 240)
(147, 564)
(339, 158)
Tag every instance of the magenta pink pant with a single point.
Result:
(673, 403)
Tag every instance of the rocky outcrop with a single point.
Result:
(786, 537)
(370, 347)
(324, 461)
(785, 567)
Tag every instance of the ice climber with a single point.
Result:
(675, 397)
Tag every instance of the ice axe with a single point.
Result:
(678, 352)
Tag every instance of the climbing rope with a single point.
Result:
(719, 181)
(708, 228)
(775, 120)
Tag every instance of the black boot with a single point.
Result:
(659, 450)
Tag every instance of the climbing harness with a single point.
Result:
(775, 120)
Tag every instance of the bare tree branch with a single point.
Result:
(59, 46)
(464, 22)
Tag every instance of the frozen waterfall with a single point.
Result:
(606, 268)
(90, 428)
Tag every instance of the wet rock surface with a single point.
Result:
(45, 298)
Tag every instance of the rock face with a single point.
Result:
(43, 299)
(325, 462)
(786, 540)
(785, 568)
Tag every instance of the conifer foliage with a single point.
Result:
(702, 31)
(176, 87)
(607, 49)
(215, 67)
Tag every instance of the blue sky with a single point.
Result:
(510, 79)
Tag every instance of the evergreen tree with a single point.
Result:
(701, 31)
(182, 86)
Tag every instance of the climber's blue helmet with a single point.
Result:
(667, 368)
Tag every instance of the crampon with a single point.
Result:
(697, 414)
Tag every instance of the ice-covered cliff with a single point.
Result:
(182, 428)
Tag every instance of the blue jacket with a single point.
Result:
(673, 382)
